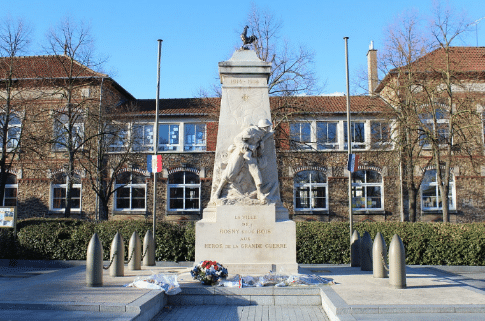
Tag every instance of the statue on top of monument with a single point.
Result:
(247, 40)
(247, 146)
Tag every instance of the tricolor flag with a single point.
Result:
(353, 164)
(154, 163)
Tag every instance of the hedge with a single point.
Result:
(317, 242)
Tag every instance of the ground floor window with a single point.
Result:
(59, 186)
(310, 191)
(10, 195)
(431, 194)
(183, 191)
(130, 192)
(367, 190)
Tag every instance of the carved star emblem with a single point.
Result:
(245, 97)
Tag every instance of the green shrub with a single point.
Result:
(316, 242)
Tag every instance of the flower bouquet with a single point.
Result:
(208, 272)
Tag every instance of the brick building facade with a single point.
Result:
(311, 140)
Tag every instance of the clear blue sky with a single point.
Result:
(198, 34)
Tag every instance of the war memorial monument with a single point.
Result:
(245, 226)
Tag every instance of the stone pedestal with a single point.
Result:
(245, 232)
(247, 239)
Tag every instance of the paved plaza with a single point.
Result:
(56, 290)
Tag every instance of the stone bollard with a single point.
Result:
(94, 262)
(379, 257)
(397, 263)
(149, 249)
(355, 249)
(134, 252)
(117, 267)
(366, 252)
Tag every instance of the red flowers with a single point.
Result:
(208, 264)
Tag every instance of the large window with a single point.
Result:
(142, 137)
(116, 137)
(62, 127)
(59, 192)
(357, 133)
(183, 191)
(13, 132)
(430, 192)
(168, 137)
(10, 195)
(310, 191)
(130, 192)
(434, 128)
(301, 135)
(194, 137)
(327, 135)
(367, 190)
(380, 134)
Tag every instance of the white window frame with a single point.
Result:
(13, 140)
(144, 143)
(183, 186)
(434, 184)
(116, 143)
(12, 187)
(364, 185)
(174, 129)
(61, 124)
(311, 187)
(427, 120)
(297, 142)
(64, 186)
(130, 186)
(380, 143)
(356, 145)
(199, 144)
(332, 146)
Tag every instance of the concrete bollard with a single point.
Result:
(134, 252)
(366, 252)
(149, 249)
(94, 262)
(117, 267)
(355, 249)
(379, 257)
(397, 263)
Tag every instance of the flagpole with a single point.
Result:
(155, 143)
(349, 142)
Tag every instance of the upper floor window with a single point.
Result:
(301, 135)
(183, 191)
(130, 192)
(65, 127)
(310, 191)
(59, 186)
(327, 135)
(431, 195)
(357, 134)
(435, 128)
(142, 137)
(14, 125)
(116, 137)
(367, 190)
(168, 137)
(380, 134)
(10, 195)
(194, 137)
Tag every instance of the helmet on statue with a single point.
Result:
(264, 123)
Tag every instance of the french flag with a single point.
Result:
(353, 164)
(154, 163)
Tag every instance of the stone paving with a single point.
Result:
(242, 313)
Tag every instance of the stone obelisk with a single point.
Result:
(245, 227)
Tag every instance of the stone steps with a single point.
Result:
(269, 296)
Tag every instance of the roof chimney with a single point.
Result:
(372, 68)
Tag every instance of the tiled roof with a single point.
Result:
(463, 60)
(301, 104)
(33, 67)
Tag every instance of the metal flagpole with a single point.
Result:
(349, 139)
(155, 141)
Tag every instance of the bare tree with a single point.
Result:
(14, 39)
(72, 47)
(293, 70)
